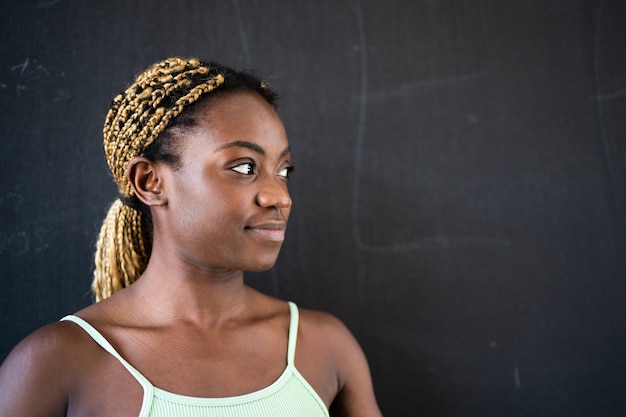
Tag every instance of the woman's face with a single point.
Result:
(228, 204)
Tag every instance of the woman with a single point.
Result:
(201, 160)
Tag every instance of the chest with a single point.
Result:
(108, 389)
(203, 368)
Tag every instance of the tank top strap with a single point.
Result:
(101, 340)
(293, 333)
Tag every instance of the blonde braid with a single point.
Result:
(136, 118)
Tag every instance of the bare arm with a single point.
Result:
(34, 377)
(356, 394)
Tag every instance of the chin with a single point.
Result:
(260, 265)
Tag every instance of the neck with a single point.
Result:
(207, 297)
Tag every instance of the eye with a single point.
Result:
(245, 168)
(285, 172)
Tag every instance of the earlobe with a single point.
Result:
(143, 176)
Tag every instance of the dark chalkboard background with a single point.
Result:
(460, 192)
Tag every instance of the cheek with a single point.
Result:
(203, 212)
(191, 204)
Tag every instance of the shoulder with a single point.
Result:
(46, 344)
(324, 324)
(332, 337)
(325, 336)
(42, 367)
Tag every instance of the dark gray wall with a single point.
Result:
(460, 192)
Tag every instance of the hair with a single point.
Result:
(148, 119)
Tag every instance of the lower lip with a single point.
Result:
(270, 234)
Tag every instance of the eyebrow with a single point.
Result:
(249, 145)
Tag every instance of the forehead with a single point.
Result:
(241, 116)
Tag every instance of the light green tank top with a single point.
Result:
(289, 396)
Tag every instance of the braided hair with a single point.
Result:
(146, 120)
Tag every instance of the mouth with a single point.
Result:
(274, 231)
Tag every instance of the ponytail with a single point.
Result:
(122, 250)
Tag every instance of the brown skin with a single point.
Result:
(191, 313)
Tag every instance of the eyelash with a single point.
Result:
(251, 166)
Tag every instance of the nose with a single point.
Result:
(273, 194)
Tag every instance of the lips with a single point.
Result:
(273, 231)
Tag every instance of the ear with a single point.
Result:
(143, 176)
